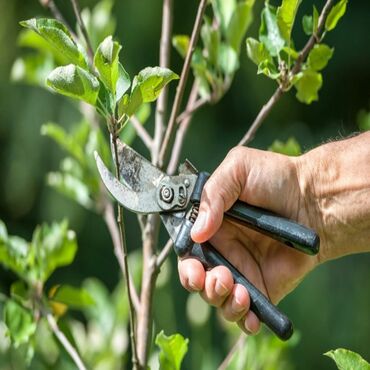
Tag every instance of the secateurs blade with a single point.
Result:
(143, 188)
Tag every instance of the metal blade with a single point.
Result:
(172, 222)
(141, 199)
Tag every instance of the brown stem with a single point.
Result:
(111, 223)
(183, 78)
(65, 342)
(266, 109)
(166, 250)
(50, 5)
(191, 110)
(144, 327)
(122, 235)
(181, 131)
(141, 132)
(77, 11)
(164, 62)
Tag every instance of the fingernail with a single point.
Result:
(236, 305)
(220, 288)
(199, 223)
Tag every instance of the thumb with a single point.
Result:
(220, 192)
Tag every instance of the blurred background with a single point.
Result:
(330, 309)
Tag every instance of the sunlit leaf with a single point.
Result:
(228, 59)
(269, 32)
(224, 10)
(319, 56)
(268, 69)
(181, 44)
(19, 291)
(257, 51)
(172, 350)
(106, 61)
(72, 296)
(74, 82)
(291, 147)
(239, 23)
(348, 360)
(308, 85)
(336, 13)
(286, 14)
(123, 82)
(19, 322)
(57, 34)
(211, 39)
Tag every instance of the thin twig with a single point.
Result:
(111, 223)
(183, 79)
(65, 342)
(238, 344)
(181, 131)
(77, 11)
(166, 250)
(141, 132)
(191, 110)
(164, 62)
(50, 5)
(266, 109)
(122, 235)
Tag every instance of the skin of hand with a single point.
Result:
(327, 189)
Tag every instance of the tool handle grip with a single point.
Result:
(277, 227)
(260, 305)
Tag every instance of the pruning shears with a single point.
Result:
(143, 188)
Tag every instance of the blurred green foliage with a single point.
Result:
(331, 306)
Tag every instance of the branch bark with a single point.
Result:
(266, 109)
(183, 79)
(166, 250)
(65, 342)
(77, 11)
(141, 132)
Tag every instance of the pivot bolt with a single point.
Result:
(166, 194)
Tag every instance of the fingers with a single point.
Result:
(220, 192)
(217, 288)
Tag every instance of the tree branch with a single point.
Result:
(77, 11)
(141, 132)
(266, 109)
(191, 110)
(122, 235)
(182, 130)
(110, 221)
(240, 342)
(183, 78)
(65, 342)
(164, 62)
(166, 250)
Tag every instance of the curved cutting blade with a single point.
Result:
(140, 199)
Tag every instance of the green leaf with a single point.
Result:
(291, 147)
(348, 360)
(228, 59)
(239, 23)
(56, 33)
(286, 14)
(106, 61)
(211, 39)
(72, 297)
(308, 84)
(335, 14)
(54, 246)
(181, 44)
(19, 291)
(201, 73)
(123, 82)
(74, 82)
(319, 57)
(19, 321)
(3, 232)
(172, 350)
(315, 18)
(257, 51)
(363, 121)
(223, 10)
(147, 86)
(268, 69)
(307, 24)
(269, 32)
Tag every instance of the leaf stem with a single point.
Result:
(65, 342)
(183, 79)
(266, 109)
(77, 11)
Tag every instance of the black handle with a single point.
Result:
(260, 305)
(277, 227)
